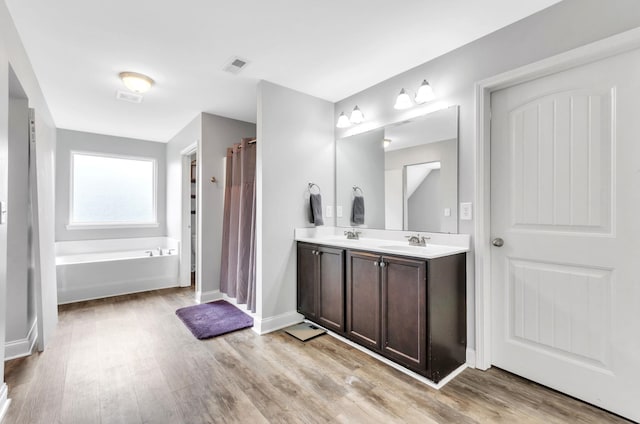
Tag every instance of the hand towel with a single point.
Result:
(357, 210)
(315, 209)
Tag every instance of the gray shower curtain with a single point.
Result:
(237, 274)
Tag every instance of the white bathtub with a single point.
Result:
(95, 269)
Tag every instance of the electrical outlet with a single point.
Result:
(466, 211)
(329, 213)
(447, 211)
(339, 211)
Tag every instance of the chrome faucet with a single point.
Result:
(150, 252)
(159, 251)
(418, 240)
(352, 234)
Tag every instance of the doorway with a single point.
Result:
(189, 252)
(555, 251)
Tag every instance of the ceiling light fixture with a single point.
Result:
(425, 93)
(356, 116)
(138, 83)
(343, 121)
(403, 101)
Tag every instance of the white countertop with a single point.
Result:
(389, 242)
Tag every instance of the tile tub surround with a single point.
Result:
(384, 241)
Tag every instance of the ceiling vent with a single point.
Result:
(235, 65)
(129, 97)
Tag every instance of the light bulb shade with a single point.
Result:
(138, 83)
(356, 116)
(425, 93)
(403, 101)
(343, 121)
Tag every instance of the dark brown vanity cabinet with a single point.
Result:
(410, 310)
(321, 285)
(386, 297)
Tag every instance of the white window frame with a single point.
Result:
(115, 224)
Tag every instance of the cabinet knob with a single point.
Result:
(383, 264)
(376, 263)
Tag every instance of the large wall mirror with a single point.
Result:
(405, 175)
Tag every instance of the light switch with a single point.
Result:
(339, 211)
(447, 211)
(3, 212)
(466, 211)
(329, 213)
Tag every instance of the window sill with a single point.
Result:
(113, 226)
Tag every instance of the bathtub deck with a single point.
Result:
(129, 359)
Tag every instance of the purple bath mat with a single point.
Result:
(213, 319)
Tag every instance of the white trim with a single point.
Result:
(71, 225)
(267, 325)
(22, 347)
(210, 296)
(92, 226)
(184, 279)
(598, 50)
(471, 358)
(397, 366)
(4, 401)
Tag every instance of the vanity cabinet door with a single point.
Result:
(404, 311)
(331, 288)
(307, 280)
(363, 298)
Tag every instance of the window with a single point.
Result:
(112, 191)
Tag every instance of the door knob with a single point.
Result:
(497, 242)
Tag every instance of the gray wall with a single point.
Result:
(360, 162)
(190, 134)
(425, 204)
(564, 26)
(12, 54)
(447, 154)
(218, 133)
(81, 141)
(20, 313)
(295, 147)
(176, 185)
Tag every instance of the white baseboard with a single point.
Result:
(399, 367)
(22, 347)
(4, 401)
(471, 358)
(268, 325)
(209, 296)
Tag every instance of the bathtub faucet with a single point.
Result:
(150, 252)
(160, 251)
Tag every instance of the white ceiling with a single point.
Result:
(329, 49)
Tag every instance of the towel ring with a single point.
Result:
(312, 185)
(356, 189)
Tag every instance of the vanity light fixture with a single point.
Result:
(343, 121)
(356, 116)
(386, 142)
(425, 93)
(403, 101)
(138, 83)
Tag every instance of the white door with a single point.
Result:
(565, 199)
